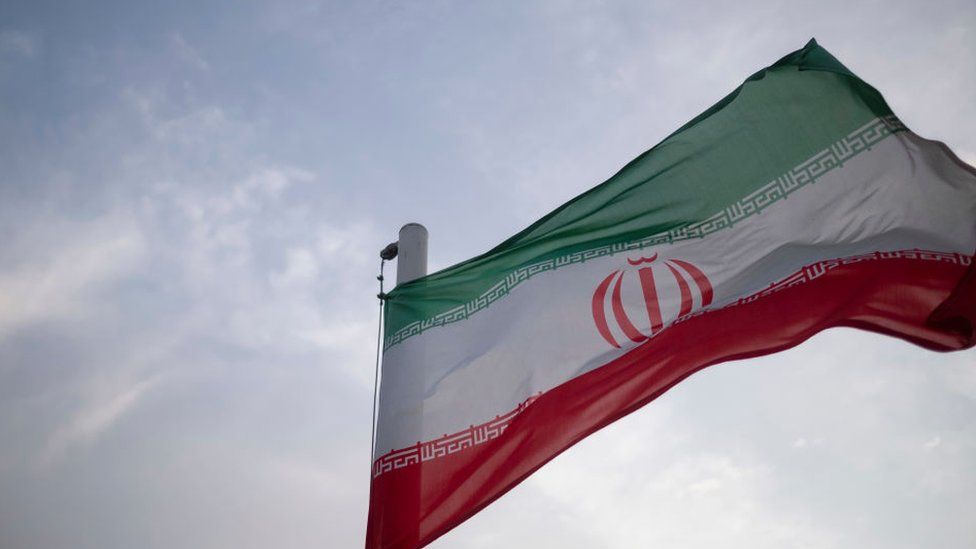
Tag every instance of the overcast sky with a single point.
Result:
(193, 195)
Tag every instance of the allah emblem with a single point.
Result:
(672, 275)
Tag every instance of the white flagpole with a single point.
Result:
(412, 258)
(410, 252)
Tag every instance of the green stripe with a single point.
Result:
(787, 116)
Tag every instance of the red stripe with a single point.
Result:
(621, 315)
(599, 315)
(892, 297)
(685, 291)
(650, 298)
(700, 279)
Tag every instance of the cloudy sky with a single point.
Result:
(193, 195)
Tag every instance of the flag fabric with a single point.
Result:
(797, 203)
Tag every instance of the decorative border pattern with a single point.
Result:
(806, 173)
(478, 434)
(449, 444)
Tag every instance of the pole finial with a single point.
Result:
(412, 253)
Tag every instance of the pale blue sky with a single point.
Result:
(193, 195)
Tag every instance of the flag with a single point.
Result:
(797, 203)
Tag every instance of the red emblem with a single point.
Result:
(679, 274)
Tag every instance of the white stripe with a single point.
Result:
(903, 194)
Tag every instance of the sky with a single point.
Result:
(192, 200)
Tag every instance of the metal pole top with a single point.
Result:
(412, 256)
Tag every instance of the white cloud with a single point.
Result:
(804, 442)
(73, 261)
(188, 53)
(18, 42)
(103, 407)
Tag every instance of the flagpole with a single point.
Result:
(410, 252)
(412, 258)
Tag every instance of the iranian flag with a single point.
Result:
(797, 203)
